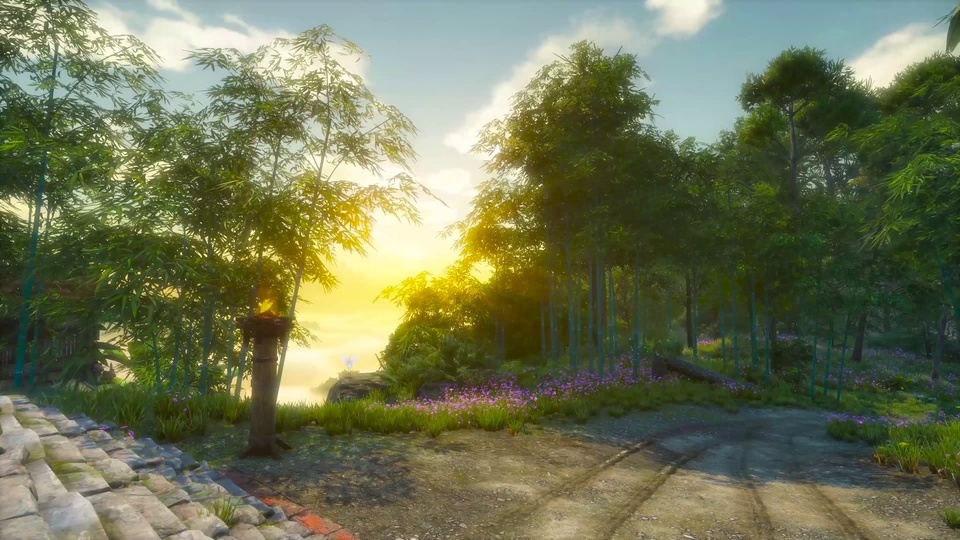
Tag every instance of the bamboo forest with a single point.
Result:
(641, 334)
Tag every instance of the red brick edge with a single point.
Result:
(293, 510)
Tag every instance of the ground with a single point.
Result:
(677, 473)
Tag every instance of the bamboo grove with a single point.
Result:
(162, 216)
(827, 210)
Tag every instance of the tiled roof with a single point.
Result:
(66, 477)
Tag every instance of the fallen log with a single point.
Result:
(663, 365)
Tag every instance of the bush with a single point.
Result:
(668, 347)
(791, 359)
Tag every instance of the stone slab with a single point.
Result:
(26, 528)
(120, 520)
(71, 516)
(17, 502)
(6, 405)
(47, 483)
(8, 422)
(28, 438)
(40, 426)
(82, 478)
(59, 449)
(160, 517)
(115, 472)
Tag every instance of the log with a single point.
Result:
(688, 370)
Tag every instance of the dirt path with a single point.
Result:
(680, 473)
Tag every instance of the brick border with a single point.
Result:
(293, 510)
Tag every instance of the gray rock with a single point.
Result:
(159, 516)
(120, 520)
(259, 505)
(278, 514)
(86, 424)
(82, 478)
(26, 528)
(245, 531)
(272, 532)
(16, 454)
(434, 391)
(246, 513)
(173, 497)
(40, 426)
(115, 472)
(295, 527)
(71, 516)
(210, 525)
(11, 466)
(17, 502)
(6, 406)
(127, 456)
(231, 488)
(47, 484)
(66, 427)
(94, 454)
(354, 386)
(99, 436)
(25, 437)
(59, 449)
(8, 422)
(155, 482)
(8, 482)
(190, 535)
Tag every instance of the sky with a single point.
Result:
(452, 66)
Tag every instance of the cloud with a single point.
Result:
(895, 51)
(676, 18)
(172, 31)
(683, 18)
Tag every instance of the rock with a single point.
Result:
(120, 520)
(272, 532)
(693, 371)
(434, 391)
(245, 531)
(354, 386)
(189, 535)
(6, 405)
(8, 482)
(10, 467)
(295, 527)
(8, 422)
(25, 437)
(115, 472)
(159, 516)
(70, 515)
(26, 528)
(40, 426)
(59, 449)
(17, 454)
(82, 478)
(127, 456)
(17, 502)
(246, 513)
(47, 484)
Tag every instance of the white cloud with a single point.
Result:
(683, 18)
(172, 31)
(676, 18)
(895, 51)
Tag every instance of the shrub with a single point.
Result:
(791, 359)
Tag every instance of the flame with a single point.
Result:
(267, 302)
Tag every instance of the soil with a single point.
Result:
(677, 473)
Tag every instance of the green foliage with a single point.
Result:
(951, 516)
(791, 359)
(225, 509)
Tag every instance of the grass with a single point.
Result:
(225, 509)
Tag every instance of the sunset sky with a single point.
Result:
(452, 66)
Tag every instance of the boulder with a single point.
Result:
(691, 371)
(434, 391)
(354, 386)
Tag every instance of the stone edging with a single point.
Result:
(66, 477)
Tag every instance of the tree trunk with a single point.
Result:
(601, 315)
(794, 182)
(941, 341)
(543, 331)
(723, 334)
(637, 315)
(857, 353)
(926, 340)
(573, 348)
(263, 405)
(886, 319)
(753, 320)
(733, 324)
(688, 304)
(693, 304)
(591, 333)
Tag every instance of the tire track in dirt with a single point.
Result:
(841, 518)
(515, 519)
(630, 507)
(528, 508)
(760, 515)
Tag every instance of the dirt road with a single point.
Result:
(679, 473)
